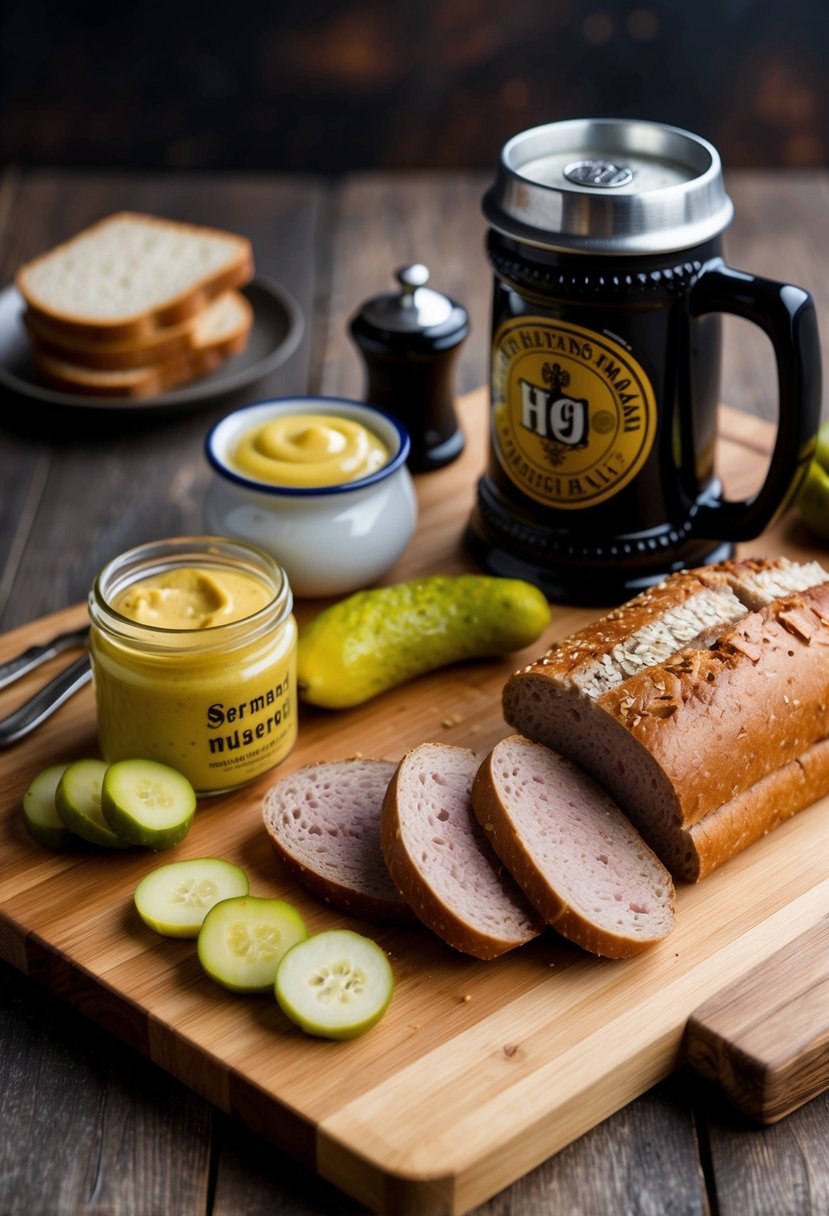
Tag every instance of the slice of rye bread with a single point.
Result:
(578, 859)
(130, 274)
(440, 858)
(324, 824)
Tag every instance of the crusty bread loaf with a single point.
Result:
(220, 331)
(130, 274)
(575, 855)
(226, 320)
(758, 581)
(324, 824)
(439, 857)
(689, 608)
(695, 733)
(728, 829)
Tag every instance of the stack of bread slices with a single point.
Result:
(655, 744)
(136, 305)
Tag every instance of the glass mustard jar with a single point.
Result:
(193, 645)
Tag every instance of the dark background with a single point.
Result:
(328, 87)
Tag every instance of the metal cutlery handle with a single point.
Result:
(22, 664)
(44, 703)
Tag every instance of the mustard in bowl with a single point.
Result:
(193, 645)
(321, 483)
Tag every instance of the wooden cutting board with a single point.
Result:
(479, 1071)
(765, 1038)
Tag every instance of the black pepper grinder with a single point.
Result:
(409, 340)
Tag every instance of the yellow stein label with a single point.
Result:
(574, 414)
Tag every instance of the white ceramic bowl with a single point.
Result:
(330, 540)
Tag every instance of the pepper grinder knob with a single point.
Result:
(410, 278)
(409, 340)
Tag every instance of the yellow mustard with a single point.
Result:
(193, 646)
(303, 450)
(188, 598)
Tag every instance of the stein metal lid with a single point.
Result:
(607, 185)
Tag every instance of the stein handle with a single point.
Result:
(787, 315)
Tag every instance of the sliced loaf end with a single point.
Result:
(324, 824)
(440, 859)
(579, 860)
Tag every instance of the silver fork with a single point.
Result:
(53, 694)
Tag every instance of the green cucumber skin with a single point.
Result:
(124, 823)
(87, 829)
(813, 494)
(40, 813)
(218, 967)
(292, 1008)
(152, 906)
(380, 638)
(146, 838)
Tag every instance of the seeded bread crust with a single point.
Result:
(653, 625)
(706, 736)
(689, 608)
(693, 853)
(230, 266)
(479, 909)
(717, 721)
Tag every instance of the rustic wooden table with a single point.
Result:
(90, 1127)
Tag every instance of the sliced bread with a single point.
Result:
(147, 381)
(220, 331)
(324, 824)
(579, 861)
(698, 732)
(440, 859)
(130, 274)
(225, 319)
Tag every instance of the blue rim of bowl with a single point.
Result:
(345, 487)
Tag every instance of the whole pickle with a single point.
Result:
(813, 499)
(377, 639)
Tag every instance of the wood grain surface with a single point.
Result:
(765, 1038)
(124, 1136)
(479, 1071)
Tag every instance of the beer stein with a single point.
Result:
(605, 241)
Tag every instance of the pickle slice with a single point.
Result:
(336, 985)
(40, 814)
(242, 941)
(174, 899)
(78, 804)
(148, 803)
